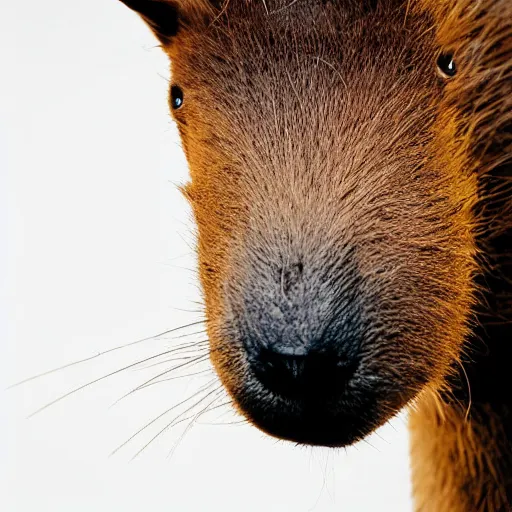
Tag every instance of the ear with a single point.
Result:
(162, 16)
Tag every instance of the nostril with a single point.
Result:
(287, 363)
(298, 372)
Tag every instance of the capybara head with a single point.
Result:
(334, 189)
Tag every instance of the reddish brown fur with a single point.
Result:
(318, 133)
(462, 452)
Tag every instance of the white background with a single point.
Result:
(99, 254)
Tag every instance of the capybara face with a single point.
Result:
(333, 201)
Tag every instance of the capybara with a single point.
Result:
(351, 182)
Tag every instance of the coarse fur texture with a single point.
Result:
(354, 221)
(462, 441)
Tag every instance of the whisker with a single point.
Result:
(172, 360)
(370, 444)
(196, 311)
(192, 415)
(68, 365)
(203, 331)
(222, 423)
(185, 352)
(144, 384)
(194, 361)
(83, 386)
(380, 437)
(158, 434)
(190, 426)
(204, 388)
(230, 410)
(208, 370)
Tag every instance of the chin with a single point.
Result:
(331, 418)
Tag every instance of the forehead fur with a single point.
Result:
(301, 25)
(307, 49)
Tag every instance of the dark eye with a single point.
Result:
(176, 97)
(446, 65)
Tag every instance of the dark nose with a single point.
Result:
(303, 373)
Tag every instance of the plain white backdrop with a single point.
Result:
(97, 245)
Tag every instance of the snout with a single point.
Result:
(308, 346)
(321, 332)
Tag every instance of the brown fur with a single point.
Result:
(335, 175)
(462, 445)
